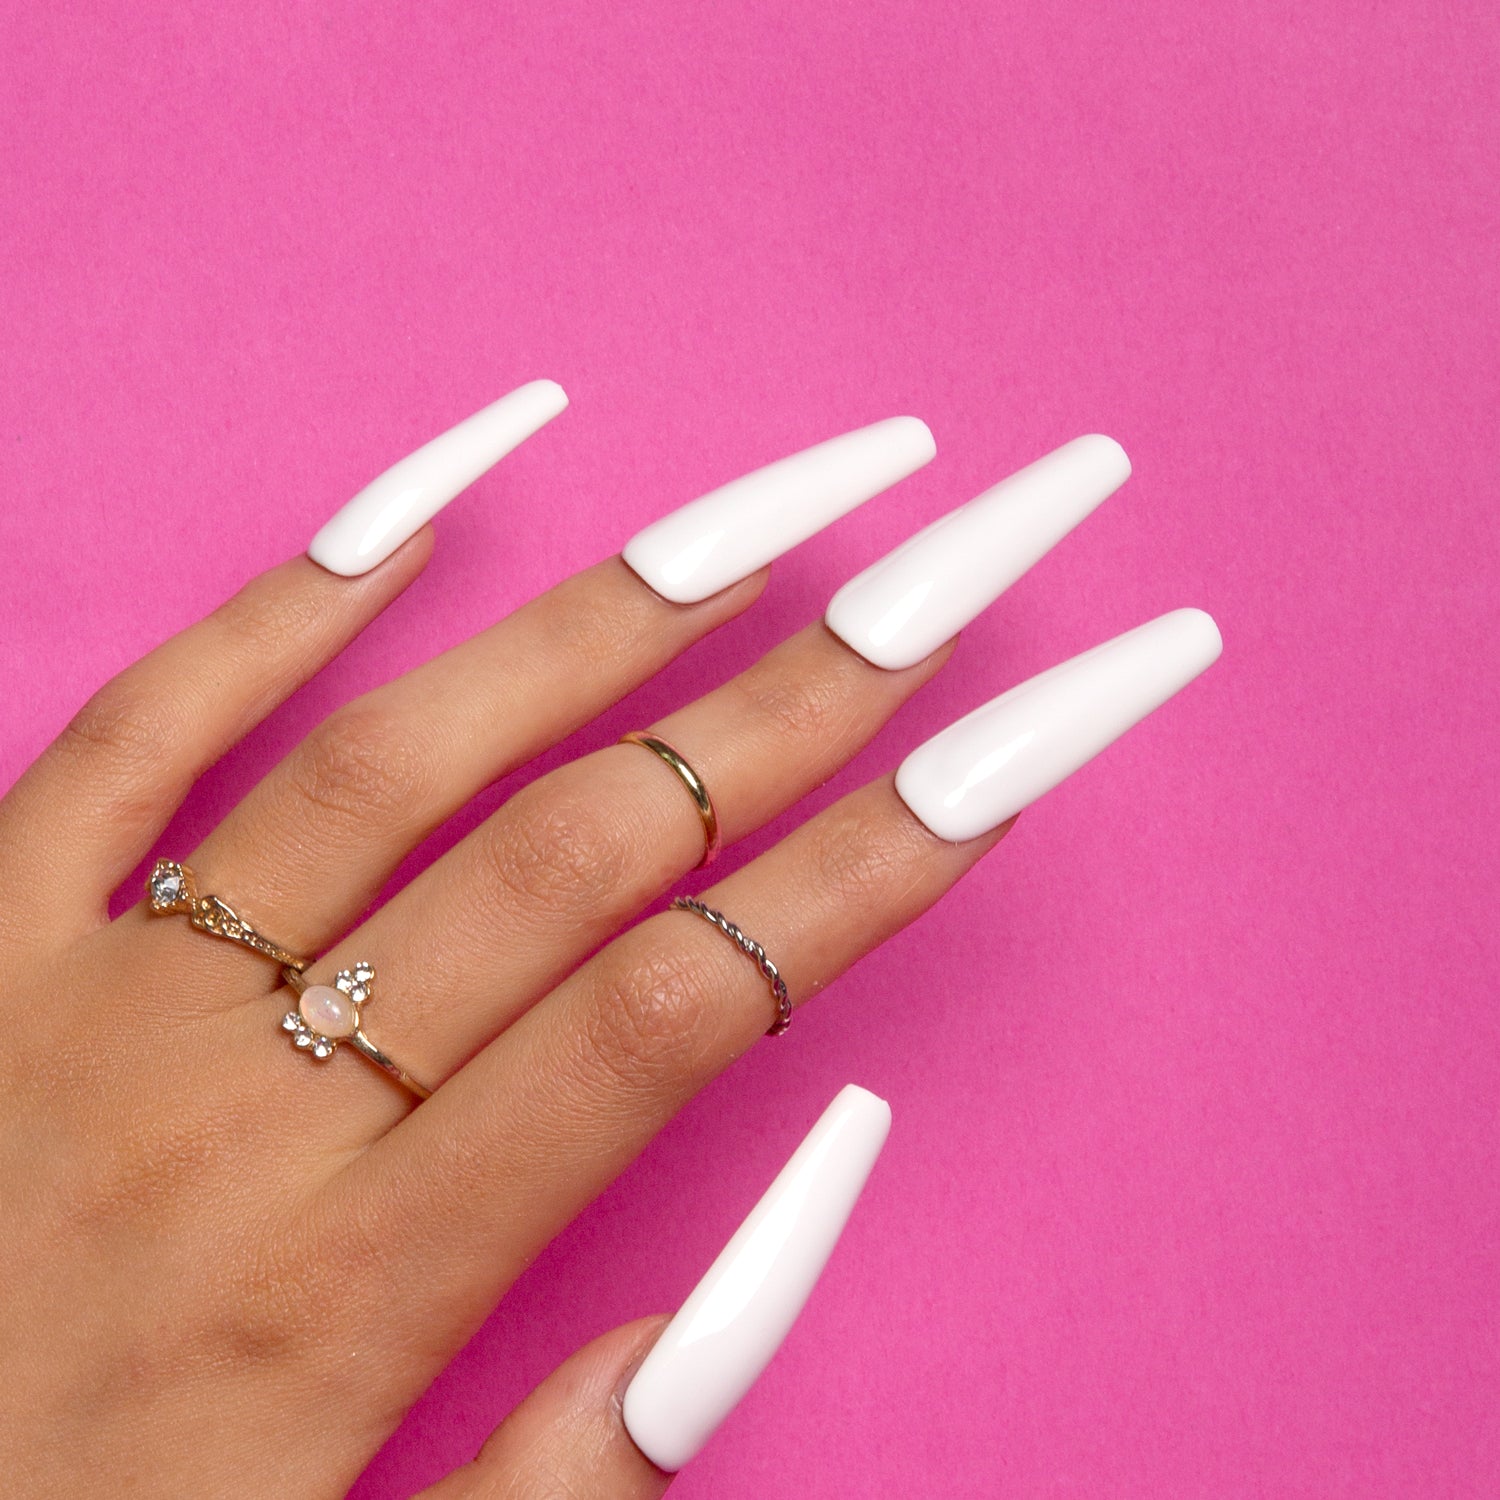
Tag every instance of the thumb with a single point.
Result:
(567, 1438)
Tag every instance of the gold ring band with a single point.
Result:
(753, 951)
(329, 1014)
(172, 888)
(692, 781)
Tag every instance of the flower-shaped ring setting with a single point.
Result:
(329, 1014)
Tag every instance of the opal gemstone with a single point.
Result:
(328, 1011)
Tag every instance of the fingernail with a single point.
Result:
(915, 598)
(710, 1354)
(735, 530)
(998, 759)
(394, 507)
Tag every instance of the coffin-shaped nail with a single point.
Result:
(736, 1318)
(735, 530)
(993, 762)
(394, 507)
(906, 605)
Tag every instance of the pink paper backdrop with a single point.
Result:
(1191, 1189)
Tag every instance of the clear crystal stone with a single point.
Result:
(322, 1047)
(363, 973)
(303, 1039)
(344, 981)
(167, 886)
(291, 1021)
(359, 994)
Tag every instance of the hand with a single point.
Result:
(229, 1269)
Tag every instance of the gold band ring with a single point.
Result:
(753, 951)
(328, 1014)
(692, 781)
(172, 888)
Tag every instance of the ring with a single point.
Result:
(753, 951)
(328, 1014)
(173, 888)
(692, 781)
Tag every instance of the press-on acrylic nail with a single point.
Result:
(735, 530)
(394, 507)
(906, 605)
(992, 763)
(736, 1318)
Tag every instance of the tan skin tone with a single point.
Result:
(207, 1238)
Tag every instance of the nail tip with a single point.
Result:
(1109, 455)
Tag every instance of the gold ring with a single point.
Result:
(328, 1014)
(692, 781)
(753, 951)
(173, 888)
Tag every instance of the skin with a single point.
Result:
(198, 1223)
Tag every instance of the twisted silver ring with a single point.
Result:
(753, 951)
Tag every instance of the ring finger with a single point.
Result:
(553, 1109)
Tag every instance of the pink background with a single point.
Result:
(1192, 1184)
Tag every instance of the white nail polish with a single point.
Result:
(736, 1318)
(906, 605)
(995, 761)
(735, 530)
(394, 507)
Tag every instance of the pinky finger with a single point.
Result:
(568, 1436)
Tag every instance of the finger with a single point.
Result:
(312, 846)
(86, 813)
(554, 1108)
(567, 1438)
(495, 923)
(516, 1142)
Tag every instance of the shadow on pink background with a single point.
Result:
(1192, 1183)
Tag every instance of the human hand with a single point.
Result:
(235, 1279)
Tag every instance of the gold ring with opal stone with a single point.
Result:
(328, 1014)
(172, 888)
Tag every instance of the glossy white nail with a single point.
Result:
(736, 1318)
(906, 605)
(391, 509)
(735, 530)
(993, 762)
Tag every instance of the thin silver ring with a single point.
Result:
(753, 951)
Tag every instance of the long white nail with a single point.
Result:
(993, 762)
(736, 1318)
(394, 507)
(735, 530)
(906, 605)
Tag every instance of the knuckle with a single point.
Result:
(651, 1023)
(589, 626)
(808, 709)
(363, 763)
(267, 619)
(124, 724)
(548, 850)
(863, 863)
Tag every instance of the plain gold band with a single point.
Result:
(692, 781)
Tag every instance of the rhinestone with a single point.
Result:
(363, 973)
(344, 981)
(322, 1047)
(359, 994)
(291, 1021)
(167, 886)
(303, 1039)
